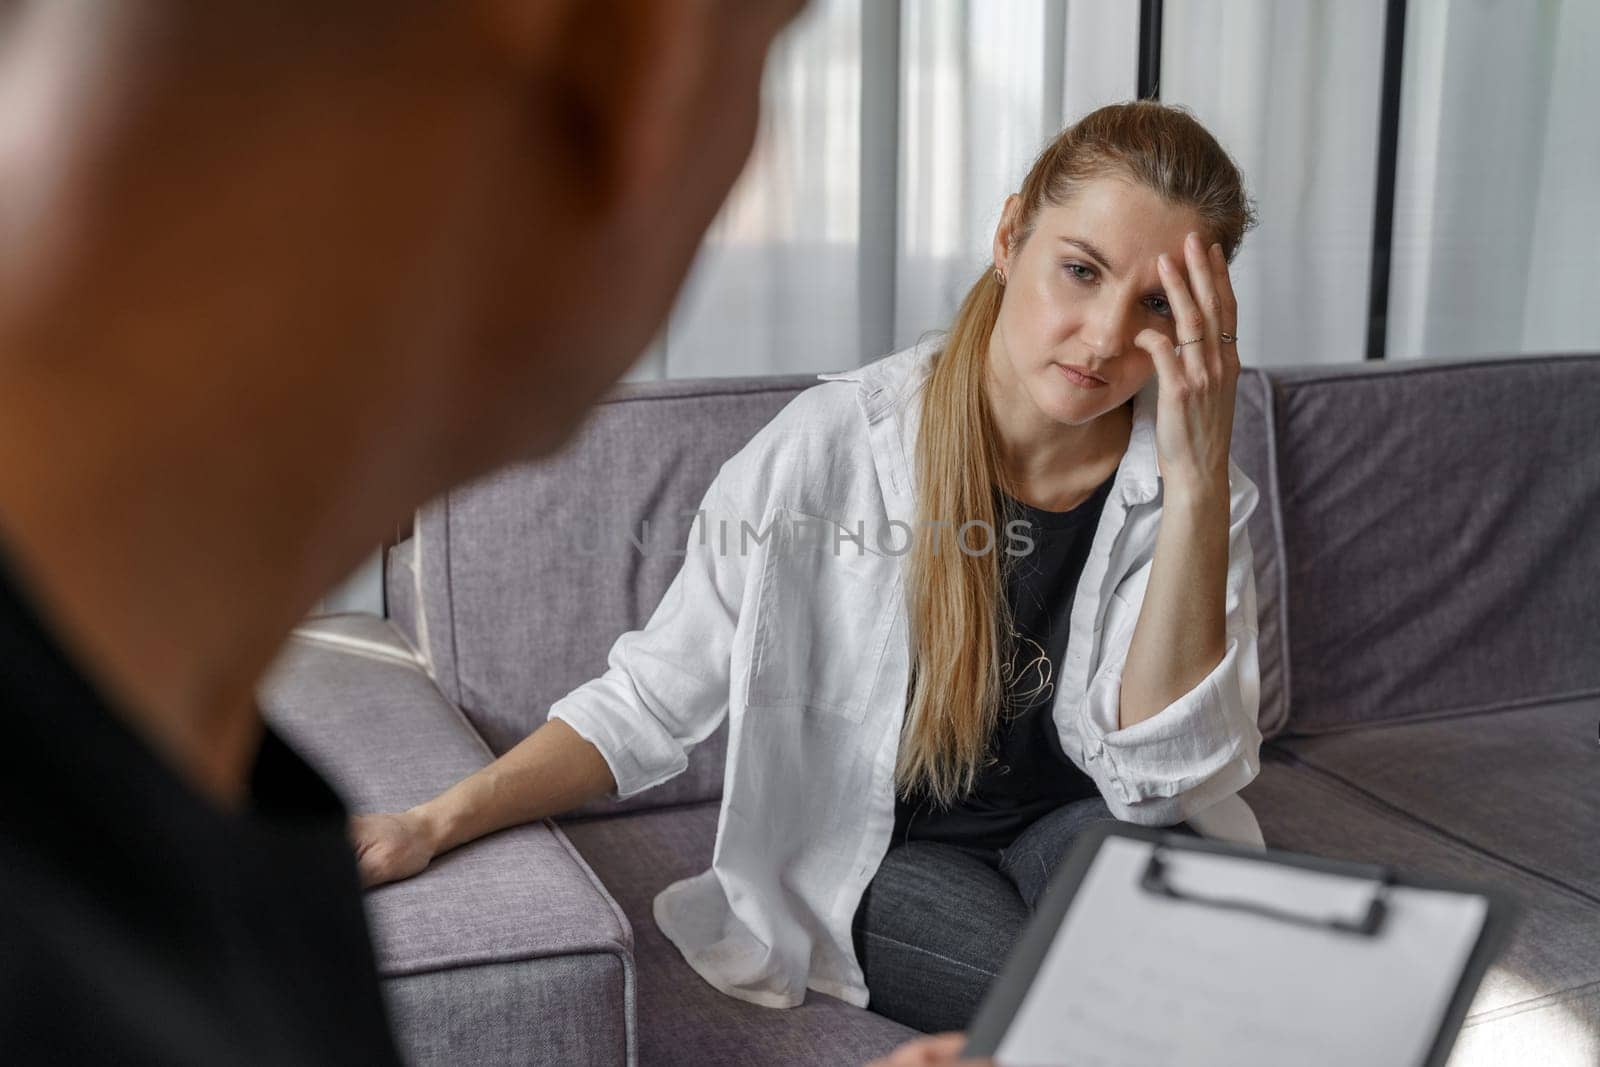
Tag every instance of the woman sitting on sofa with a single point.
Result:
(936, 676)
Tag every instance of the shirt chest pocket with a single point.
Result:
(823, 619)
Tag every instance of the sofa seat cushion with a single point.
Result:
(506, 950)
(1540, 1001)
(1522, 784)
(682, 1019)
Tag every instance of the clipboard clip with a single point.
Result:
(1368, 924)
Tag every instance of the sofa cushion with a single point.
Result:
(1439, 519)
(1540, 1001)
(515, 919)
(1522, 784)
(682, 1019)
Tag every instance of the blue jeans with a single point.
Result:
(937, 921)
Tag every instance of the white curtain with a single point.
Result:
(893, 131)
(891, 135)
(1292, 90)
(1497, 206)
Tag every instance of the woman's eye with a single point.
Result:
(1157, 304)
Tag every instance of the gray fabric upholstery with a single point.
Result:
(530, 575)
(350, 695)
(1551, 967)
(1441, 523)
(400, 591)
(1523, 785)
(349, 692)
(554, 1012)
(682, 1020)
(1557, 1031)
(1254, 438)
(429, 561)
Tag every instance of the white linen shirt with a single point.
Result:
(806, 653)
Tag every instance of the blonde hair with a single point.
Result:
(960, 655)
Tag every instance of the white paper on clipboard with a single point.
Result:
(1134, 978)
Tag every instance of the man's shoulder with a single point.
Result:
(93, 967)
(76, 985)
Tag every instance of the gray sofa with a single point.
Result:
(1427, 558)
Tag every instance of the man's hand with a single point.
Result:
(942, 1050)
(389, 847)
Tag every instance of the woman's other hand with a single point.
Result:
(548, 772)
(390, 847)
(1195, 395)
(942, 1050)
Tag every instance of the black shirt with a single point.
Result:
(1028, 774)
(139, 923)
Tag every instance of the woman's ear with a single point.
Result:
(1005, 233)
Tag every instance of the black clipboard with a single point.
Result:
(1001, 1003)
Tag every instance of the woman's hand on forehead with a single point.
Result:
(1197, 370)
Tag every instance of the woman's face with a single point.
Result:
(1077, 293)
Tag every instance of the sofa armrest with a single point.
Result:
(505, 950)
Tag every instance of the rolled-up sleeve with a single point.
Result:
(665, 688)
(1205, 745)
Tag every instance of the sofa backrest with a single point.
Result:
(525, 578)
(1442, 523)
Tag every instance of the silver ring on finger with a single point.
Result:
(1227, 338)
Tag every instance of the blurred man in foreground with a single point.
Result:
(271, 275)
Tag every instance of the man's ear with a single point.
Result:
(617, 79)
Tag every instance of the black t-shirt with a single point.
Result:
(1028, 775)
(139, 923)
